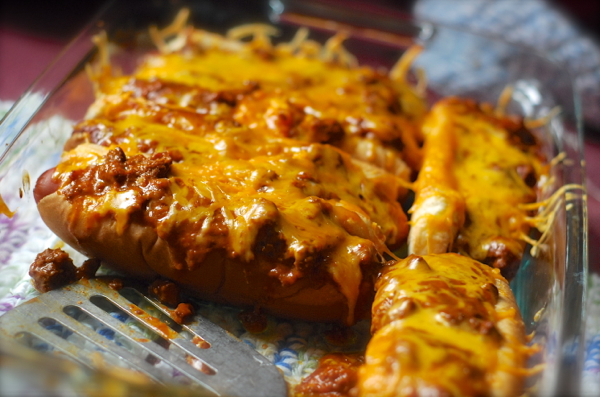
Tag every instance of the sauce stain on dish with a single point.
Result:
(26, 183)
(156, 324)
(200, 342)
(336, 375)
(4, 210)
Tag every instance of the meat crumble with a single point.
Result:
(52, 269)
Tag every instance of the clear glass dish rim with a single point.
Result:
(574, 284)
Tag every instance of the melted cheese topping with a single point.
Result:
(436, 328)
(246, 132)
(479, 163)
(298, 97)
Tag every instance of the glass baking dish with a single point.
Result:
(550, 288)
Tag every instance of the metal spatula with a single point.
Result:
(100, 327)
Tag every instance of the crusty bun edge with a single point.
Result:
(437, 216)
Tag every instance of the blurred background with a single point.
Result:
(32, 32)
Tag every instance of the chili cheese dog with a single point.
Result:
(275, 231)
(223, 170)
(479, 168)
(443, 325)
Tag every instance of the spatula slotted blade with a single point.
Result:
(95, 326)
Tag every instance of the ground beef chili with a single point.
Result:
(182, 313)
(253, 320)
(117, 171)
(116, 284)
(52, 269)
(88, 269)
(335, 376)
(167, 292)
